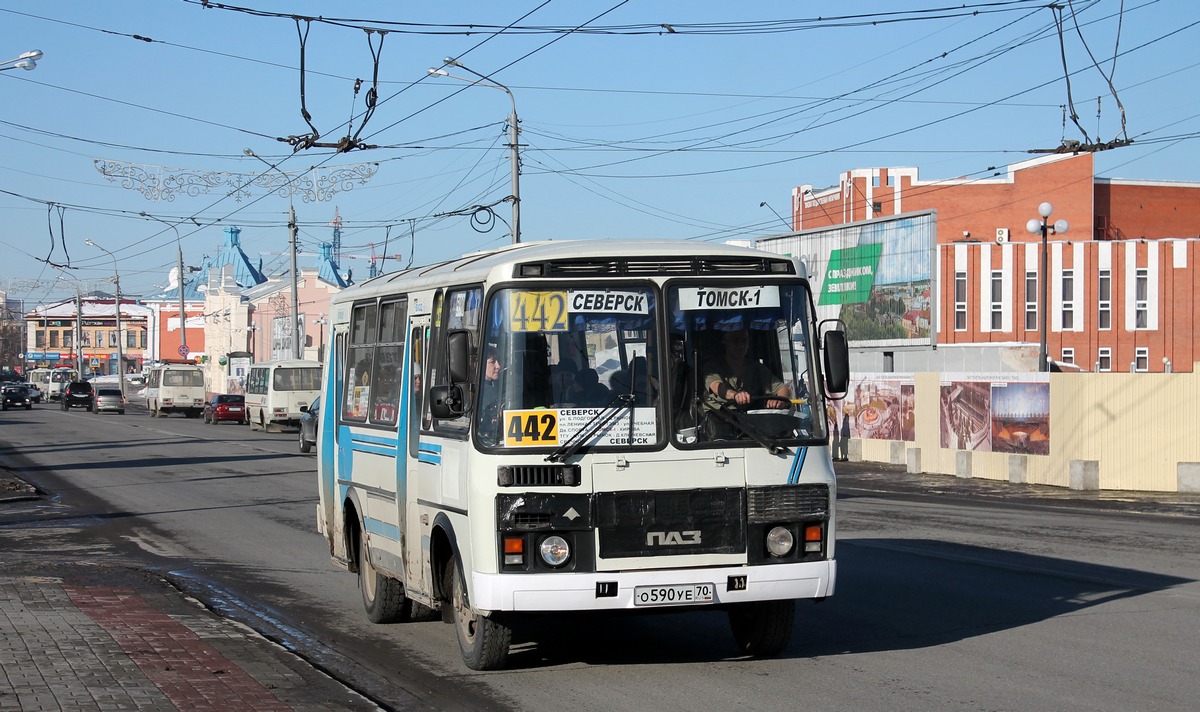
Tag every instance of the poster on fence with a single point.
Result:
(995, 412)
(877, 407)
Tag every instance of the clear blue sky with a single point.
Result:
(629, 129)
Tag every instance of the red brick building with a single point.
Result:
(1123, 280)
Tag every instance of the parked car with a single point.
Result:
(78, 394)
(16, 395)
(109, 399)
(226, 406)
(310, 419)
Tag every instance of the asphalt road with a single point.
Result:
(951, 594)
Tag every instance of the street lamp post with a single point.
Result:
(27, 61)
(1043, 226)
(321, 321)
(183, 349)
(120, 336)
(513, 133)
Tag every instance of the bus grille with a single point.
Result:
(707, 521)
(644, 266)
(789, 503)
(538, 475)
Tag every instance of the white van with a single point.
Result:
(175, 388)
(276, 390)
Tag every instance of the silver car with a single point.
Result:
(109, 399)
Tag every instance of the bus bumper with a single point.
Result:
(613, 590)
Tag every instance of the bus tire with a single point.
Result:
(383, 597)
(483, 641)
(762, 628)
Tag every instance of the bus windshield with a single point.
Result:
(741, 367)
(571, 349)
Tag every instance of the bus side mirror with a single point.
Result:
(837, 361)
(446, 402)
(459, 351)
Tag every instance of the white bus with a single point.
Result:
(175, 388)
(52, 381)
(561, 454)
(276, 390)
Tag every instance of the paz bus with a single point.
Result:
(175, 388)
(277, 390)
(52, 381)
(530, 430)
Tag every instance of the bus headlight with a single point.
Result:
(554, 550)
(780, 541)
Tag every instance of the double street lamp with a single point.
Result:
(27, 61)
(513, 131)
(120, 346)
(1043, 226)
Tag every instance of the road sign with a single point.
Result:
(184, 350)
(95, 363)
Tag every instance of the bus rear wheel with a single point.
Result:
(383, 597)
(763, 628)
(483, 641)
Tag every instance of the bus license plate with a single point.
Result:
(673, 594)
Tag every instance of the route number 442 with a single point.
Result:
(530, 428)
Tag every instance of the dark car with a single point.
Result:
(225, 406)
(78, 394)
(109, 399)
(310, 418)
(16, 395)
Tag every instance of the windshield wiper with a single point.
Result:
(598, 422)
(754, 433)
(593, 427)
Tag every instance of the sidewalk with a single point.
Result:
(109, 637)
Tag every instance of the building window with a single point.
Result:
(1104, 289)
(997, 300)
(891, 181)
(1141, 305)
(141, 339)
(68, 339)
(54, 339)
(960, 301)
(1104, 359)
(1031, 301)
(1068, 356)
(1141, 359)
(99, 342)
(875, 181)
(130, 340)
(39, 339)
(1068, 300)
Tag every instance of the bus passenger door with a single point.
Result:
(407, 484)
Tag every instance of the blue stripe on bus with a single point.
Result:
(375, 449)
(382, 528)
(429, 452)
(797, 465)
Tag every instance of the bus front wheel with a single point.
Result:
(483, 641)
(763, 628)
(383, 597)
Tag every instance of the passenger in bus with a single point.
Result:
(587, 391)
(488, 403)
(734, 378)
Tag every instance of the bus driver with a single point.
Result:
(735, 378)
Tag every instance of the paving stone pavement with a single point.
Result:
(94, 636)
(98, 646)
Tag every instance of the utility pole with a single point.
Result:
(183, 349)
(295, 284)
(79, 332)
